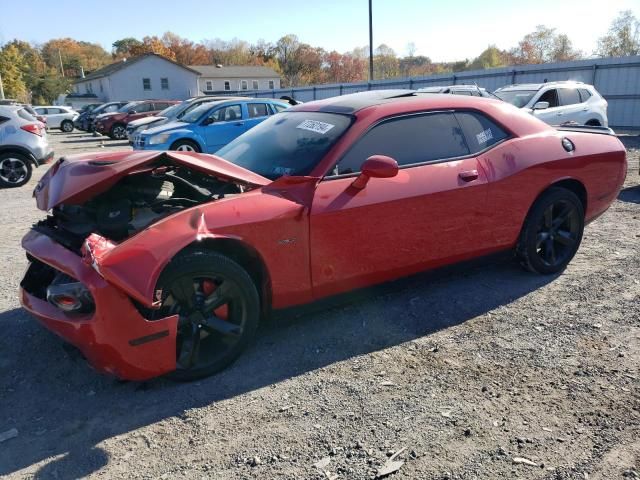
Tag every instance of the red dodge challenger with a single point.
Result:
(158, 263)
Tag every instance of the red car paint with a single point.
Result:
(105, 122)
(314, 236)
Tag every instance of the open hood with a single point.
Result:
(78, 178)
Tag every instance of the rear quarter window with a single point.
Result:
(22, 113)
(584, 94)
(480, 131)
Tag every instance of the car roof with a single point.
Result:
(353, 102)
(538, 86)
(10, 108)
(410, 99)
(437, 88)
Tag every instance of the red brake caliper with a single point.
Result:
(208, 287)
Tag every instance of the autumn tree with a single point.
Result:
(491, 57)
(623, 37)
(75, 55)
(11, 69)
(385, 63)
(122, 48)
(544, 45)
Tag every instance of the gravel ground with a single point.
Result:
(475, 372)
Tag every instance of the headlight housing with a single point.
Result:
(159, 138)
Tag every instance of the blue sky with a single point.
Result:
(441, 30)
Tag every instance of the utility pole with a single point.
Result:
(1, 89)
(61, 67)
(370, 43)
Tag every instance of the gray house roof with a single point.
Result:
(212, 71)
(114, 67)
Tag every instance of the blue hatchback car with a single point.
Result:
(210, 126)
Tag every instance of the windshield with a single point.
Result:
(195, 114)
(192, 107)
(169, 111)
(519, 98)
(289, 143)
(127, 107)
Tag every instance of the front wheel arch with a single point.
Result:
(189, 141)
(247, 257)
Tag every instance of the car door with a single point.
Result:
(227, 123)
(572, 109)
(431, 213)
(142, 110)
(54, 117)
(553, 114)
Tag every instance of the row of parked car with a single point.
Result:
(206, 124)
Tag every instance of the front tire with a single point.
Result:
(218, 307)
(66, 126)
(552, 232)
(185, 146)
(118, 132)
(15, 170)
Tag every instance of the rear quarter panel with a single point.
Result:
(520, 170)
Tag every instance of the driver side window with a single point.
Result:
(409, 140)
(227, 114)
(550, 96)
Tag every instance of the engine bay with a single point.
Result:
(135, 202)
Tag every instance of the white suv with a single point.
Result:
(58, 117)
(557, 103)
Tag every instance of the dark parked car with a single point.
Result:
(89, 121)
(114, 124)
(84, 113)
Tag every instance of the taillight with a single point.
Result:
(34, 128)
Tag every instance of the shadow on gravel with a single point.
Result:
(87, 139)
(630, 194)
(62, 408)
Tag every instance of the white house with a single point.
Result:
(148, 76)
(217, 79)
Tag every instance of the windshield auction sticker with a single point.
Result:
(316, 126)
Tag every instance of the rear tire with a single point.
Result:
(15, 170)
(185, 146)
(552, 232)
(66, 126)
(236, 318)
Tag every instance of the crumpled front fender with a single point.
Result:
(135, 265)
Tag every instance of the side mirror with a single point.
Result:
(208, 121)
(133, 112)
(376, 166)
(541, 106)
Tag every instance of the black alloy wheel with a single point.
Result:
(552, 232)
(218, 307)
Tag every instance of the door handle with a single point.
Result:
(239, 124)
(468, 175)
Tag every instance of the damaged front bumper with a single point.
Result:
(115, 338)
